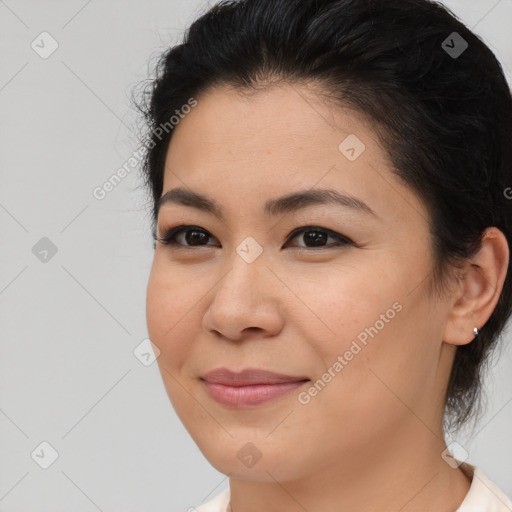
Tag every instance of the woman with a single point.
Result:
(328, 185)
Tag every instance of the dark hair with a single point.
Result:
(444, 117)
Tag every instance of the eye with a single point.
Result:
(196, 236)
(317, 237)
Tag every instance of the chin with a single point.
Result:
(254, 461)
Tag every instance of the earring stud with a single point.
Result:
(475, 331)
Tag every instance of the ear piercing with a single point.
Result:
(475, 331)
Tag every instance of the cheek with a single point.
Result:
(339, 304)
(368, 337)
(357, 317)
(170, 307)
(172, 324)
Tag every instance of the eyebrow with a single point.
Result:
(273, 207)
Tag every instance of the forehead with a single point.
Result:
(273, 142)
(274, 120)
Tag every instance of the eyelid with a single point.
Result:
(329, 232)
(171, 233)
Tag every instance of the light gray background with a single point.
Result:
(68, 375)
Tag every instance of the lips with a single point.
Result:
(249, 377)
(250, 387)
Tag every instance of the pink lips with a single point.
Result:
(249, 387)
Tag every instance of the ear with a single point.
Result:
(479, 288)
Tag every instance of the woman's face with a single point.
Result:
(242, 291)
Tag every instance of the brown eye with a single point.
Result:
(193, 236)
(314, 236)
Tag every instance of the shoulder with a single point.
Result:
(483, 495)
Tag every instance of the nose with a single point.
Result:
(245, 300)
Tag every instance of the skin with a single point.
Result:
(372, 438)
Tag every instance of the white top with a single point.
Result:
(483, 495)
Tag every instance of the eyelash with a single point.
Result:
(169, 237)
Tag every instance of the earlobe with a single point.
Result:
(479, 289)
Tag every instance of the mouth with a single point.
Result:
(250, 387)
